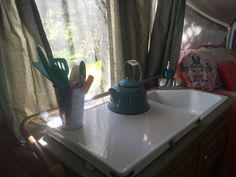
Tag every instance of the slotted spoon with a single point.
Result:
(61, 63)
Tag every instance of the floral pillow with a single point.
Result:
(197, 71)
(221, 55)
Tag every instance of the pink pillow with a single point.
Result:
(197, 70)
(227, 74)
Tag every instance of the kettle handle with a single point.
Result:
(134, 62)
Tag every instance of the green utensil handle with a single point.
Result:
(82, 72)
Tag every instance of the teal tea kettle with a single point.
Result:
(129, 96)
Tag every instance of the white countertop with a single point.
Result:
(124, 144)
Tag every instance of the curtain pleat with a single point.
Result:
(132, 21)
(166, 36)
(116, 50)
(23, 91)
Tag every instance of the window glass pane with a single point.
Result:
(78, 30)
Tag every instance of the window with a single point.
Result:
(198, 30)
(78, 30)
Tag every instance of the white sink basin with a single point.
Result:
(192, 101)
(125, 144)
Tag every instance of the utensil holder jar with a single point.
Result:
(71, 107)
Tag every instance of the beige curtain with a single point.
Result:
(116, 51)
(23, 91)
(131, 25)
(148, 35)
(166, 36)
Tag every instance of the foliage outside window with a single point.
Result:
(78, 30)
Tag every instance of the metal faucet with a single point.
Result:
(168, 83)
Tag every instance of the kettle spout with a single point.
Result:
(114, 95)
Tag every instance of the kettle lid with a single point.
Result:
(129, 82)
